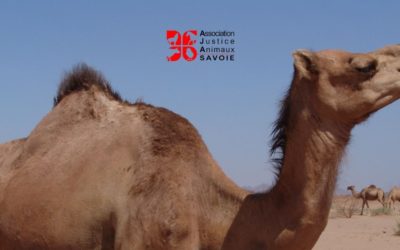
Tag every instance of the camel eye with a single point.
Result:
(367, 69)
(363, 65)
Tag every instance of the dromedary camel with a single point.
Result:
(394, 195)
(369, 193)
(99, 172)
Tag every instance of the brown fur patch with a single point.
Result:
(173, 134)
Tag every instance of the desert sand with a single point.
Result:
(375, 230)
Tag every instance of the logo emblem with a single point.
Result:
(182, 45)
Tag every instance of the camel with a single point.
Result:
(99, 172)
(394, 195)
(369, 193)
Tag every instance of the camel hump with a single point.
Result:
(83, 77)
(372, 186)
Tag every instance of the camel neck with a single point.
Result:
(304, 190)
(294, 212)
(354, 193)
(310, 165)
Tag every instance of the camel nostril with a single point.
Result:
(398, 69)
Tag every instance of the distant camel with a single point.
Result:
(99, 172)
(394, 195)
(369, 193)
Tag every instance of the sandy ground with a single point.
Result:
(359, 232)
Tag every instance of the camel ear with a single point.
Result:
(304, 62)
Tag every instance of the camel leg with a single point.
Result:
(366, 202)
(362, 208)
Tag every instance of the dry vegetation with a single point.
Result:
(344, 207)
(381, 211)
(378, 228)
(397, 229)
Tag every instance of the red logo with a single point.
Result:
(182, 45)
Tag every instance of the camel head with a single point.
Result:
(350, 188)
(347, 87)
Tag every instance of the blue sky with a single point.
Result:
(232, 104)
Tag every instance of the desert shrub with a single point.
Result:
(397, 229)
(346, 209)
(381, 211)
